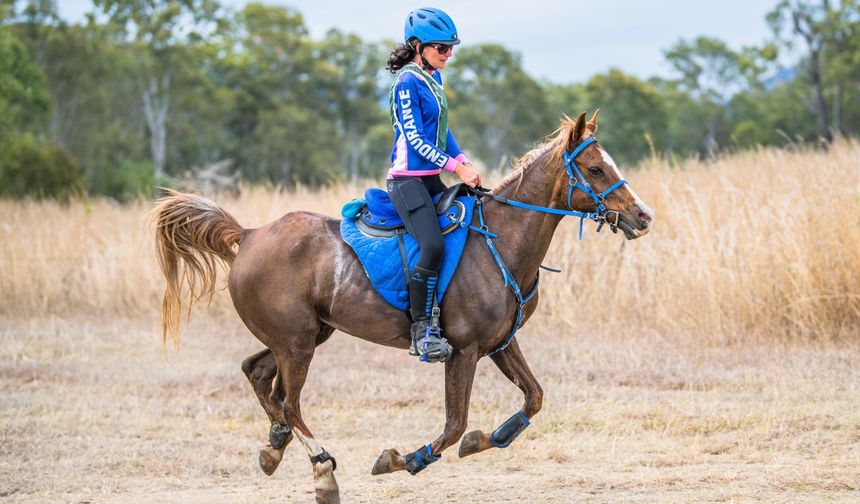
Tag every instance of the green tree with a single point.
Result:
(497, 110)
(29, 168)
(280, 117)
(632, 114)
(160, 29)
(566, 99)
(351, 82)
(710, 73)
(828, 33)
(24, 98)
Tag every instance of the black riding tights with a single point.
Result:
(412, 197)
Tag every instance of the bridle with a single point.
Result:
(576, 181)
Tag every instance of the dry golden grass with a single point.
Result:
(760, 244)
(714, 360)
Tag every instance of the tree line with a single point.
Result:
(146, 92)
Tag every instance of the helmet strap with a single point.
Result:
(425, 65)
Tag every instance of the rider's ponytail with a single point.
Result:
(402, 55)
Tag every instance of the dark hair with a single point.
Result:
(402, 55)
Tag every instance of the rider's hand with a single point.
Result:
(468, 174)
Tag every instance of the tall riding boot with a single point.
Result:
(427, 340)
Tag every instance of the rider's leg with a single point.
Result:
(415, 207)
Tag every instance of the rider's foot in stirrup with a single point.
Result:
(428, 343)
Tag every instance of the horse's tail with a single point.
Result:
(191, 233)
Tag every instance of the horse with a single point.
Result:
(294, 281)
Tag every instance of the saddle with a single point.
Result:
(388, 253)
(379, 218)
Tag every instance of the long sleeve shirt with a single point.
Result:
(423, 144)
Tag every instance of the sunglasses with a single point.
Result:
(442, 48)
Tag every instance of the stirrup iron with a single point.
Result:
(427, 340)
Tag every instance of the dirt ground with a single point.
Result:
(93, 411)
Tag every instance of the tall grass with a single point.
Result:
(763, 244)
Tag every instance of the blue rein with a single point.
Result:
(577, 181)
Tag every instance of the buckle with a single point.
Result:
(617, 216)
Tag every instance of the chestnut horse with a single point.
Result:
(294, 281)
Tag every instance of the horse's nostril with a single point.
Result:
(644, 218)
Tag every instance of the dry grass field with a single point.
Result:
(714, 360)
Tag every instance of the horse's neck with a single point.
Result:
(524, 236)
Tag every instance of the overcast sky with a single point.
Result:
(559, 41)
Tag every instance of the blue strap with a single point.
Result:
(428, 457)
(511, 282)
(612, 188)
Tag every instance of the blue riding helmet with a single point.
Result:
(430, 25)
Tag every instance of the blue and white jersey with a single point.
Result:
(423, 144)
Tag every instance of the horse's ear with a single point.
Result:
(592, 123)
(576, 132)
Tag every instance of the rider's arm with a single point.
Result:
(453, 149)
(409, 120)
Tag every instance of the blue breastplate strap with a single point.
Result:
(509, 279)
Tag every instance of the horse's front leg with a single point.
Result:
(459, 374)
(512, 363)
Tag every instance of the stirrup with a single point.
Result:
(427, 340)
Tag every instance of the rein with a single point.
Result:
(577, 181)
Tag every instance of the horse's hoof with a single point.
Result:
(323, 496)
(388, 461)
(269, 460)
(325, 485)
(474, 442)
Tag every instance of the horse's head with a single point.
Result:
(595, 182)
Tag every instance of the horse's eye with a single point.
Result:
(595, 170)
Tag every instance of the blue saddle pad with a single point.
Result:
(381, 257)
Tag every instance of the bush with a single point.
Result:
(130, 180)
(28, 168)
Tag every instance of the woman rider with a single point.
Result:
(423, 145)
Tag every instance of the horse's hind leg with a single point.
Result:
(512, 363)
(262, 372)
(459, 374)
(293, 364)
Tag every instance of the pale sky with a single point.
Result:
(559, 41)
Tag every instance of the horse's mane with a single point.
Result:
(553, 146)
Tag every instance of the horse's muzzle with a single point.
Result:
(636, 222)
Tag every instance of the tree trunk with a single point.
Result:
(711, 144)
(804, 26)
(156, 97)
(286, 173)
(837, 111)
(820, 101)
(354, 152)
